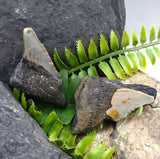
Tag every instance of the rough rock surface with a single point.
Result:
(20, 136)
(135, 137)
(36, 81)
(94, 96)
(58, 24)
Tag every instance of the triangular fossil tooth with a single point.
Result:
(35, 74)
(93, 98)
(36, 52)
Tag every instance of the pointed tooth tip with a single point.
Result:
(26, 30)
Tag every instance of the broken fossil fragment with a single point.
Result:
(125, 100)
(93, 98)
(35, 74)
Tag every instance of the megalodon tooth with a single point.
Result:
(35, 74)
(94, 97)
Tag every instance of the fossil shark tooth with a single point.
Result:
(93, 98)
(35, 51)
(35, 74)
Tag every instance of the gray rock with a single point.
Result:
(57, 23)
(138, 137)
(20, 136)
(93, 98)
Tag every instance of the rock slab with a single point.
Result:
(20, 136)
(57, 23)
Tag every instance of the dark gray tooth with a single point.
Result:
(36, 74)
(93, 98)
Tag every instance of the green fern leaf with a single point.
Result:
(59, 63)
(23, 101)
(73, 76)
(103, 45)
(81, 52)
(107, 70)
(82, 74)
(125, 64)
(134, 61)
(49, 121)
(157, 50)
(108, 153)
(143, 37)
(151, 56)
(97, 152)
(125, 39)
(92, 50)
(114, 41)
(92, 71)
(152, 34)
(16, 93)
(37, 115)
(56, 128)
(158, 37)
(85, 143)
(134, 38)
(71, 58)
(117, 68)
(142, 60)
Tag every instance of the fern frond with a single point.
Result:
(119, 67)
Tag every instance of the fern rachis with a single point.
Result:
(136, 60)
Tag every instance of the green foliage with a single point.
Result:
(85, 143)
(134, 38)
(16, 93)
(92, 50)
(81, 52)
(152, 34)
(125, 39)
(58, 61)
(114, 41)
(103, 45)
(71, 58)
(143, 37)
(139, 111)
(60, 133)
(97, 151)
(114, 67)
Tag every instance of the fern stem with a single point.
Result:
(111, 55)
